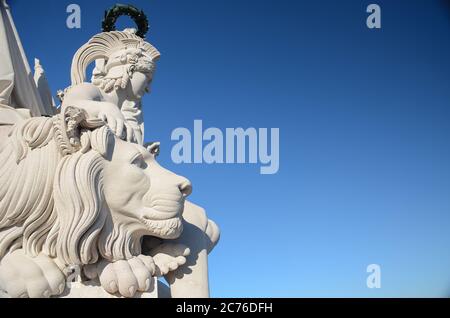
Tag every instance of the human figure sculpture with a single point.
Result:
(124, 70)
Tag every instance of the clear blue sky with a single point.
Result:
(364, 118)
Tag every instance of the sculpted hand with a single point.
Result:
(168, 257)
(34, 277)
(125, 276)
(115, 120)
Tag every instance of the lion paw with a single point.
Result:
(168, 257)
(126, 277)
(34, 277)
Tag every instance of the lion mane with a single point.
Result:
(51, 199)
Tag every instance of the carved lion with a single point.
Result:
(73, 194)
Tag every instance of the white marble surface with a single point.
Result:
(91, 195)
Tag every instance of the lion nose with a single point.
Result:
(185, 187)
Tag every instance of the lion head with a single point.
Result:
(72, 190)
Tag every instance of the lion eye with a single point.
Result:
(139, 162)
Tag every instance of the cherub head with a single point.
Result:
(122, 61)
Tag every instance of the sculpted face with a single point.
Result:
(142, 194)
(140, 83)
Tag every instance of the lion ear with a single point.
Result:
(153, 147)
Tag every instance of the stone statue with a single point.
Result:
(80, 192)
(123, 73)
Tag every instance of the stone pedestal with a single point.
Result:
(91, 289)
